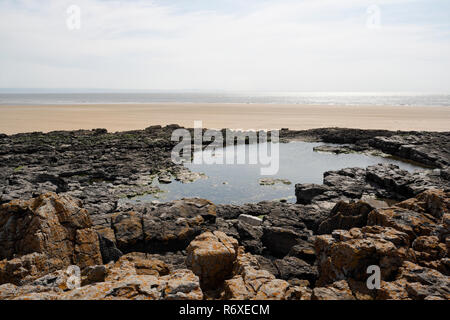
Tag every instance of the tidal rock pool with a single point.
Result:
(244, 183)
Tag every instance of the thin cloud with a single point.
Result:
(272, 45)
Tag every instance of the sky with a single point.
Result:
(264, 45)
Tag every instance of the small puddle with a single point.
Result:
(243, 183)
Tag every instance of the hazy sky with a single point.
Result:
(274, 45)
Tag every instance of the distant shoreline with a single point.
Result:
(271, 98)
(124, 117)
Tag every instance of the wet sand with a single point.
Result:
(115, 117)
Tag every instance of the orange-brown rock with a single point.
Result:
(144, 265)
(347, 254)
(250, 282)
(419, 216)
(128, 231)
(45, 234)
(433, 202)
(421, 282)
(346, 216)
(338, 290)
(211, 256)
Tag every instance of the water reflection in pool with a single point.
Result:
(239, 183)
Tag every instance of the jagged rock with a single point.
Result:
(426, 148)
(172, 226)
(45, 234)
(211, 257)
(295, 268)
(424, 282)
(346, 216)
(279, 241)
(93, 274)
(146, 265)
(272, 181)
(304, 250)
(347, 254)
(122, 281)
(108, 250)
(182, 284)
(251, 220)
(305, 193)
(298, 293)
(249, 236)
(339, 290)
(434, 202)
(395, 290)
(428, 248)
(410, 222)
(380, 181)
(250, 282)
(10, 291)
(128, 231)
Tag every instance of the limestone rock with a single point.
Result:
(45, 234)
(211, 256)
(279, 241)
(338, 290)
(346, 216)
(172, 226)
(347, 254)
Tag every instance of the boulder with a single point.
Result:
(211, 256)
(128, 231)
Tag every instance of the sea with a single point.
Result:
(303, 98)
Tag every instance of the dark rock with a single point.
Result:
(172, 226)
(295, 268)
(108, 250)
(279, 241)
(346, 216)
(305, 193)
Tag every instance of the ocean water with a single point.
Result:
(314, 98)
(239, 183)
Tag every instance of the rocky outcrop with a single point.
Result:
(382, 181)
(157, 228)
(222, 266)
(420, 216)
(45, 234)
(250, 282)
(404, 244)
(318, 248)
(410, 251)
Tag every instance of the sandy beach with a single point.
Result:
(16, 119)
